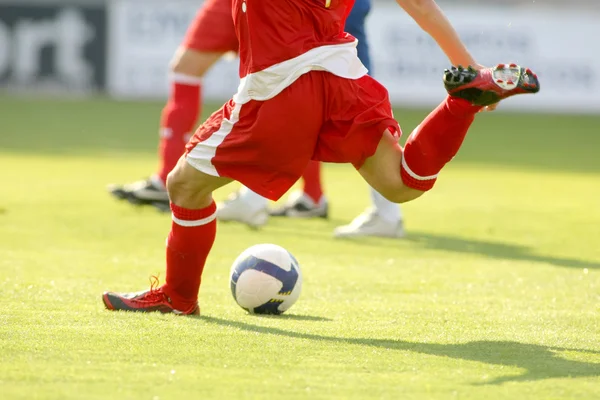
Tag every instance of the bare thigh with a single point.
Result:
(382, 171)
(190, 188)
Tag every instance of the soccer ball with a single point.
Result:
(265, 279)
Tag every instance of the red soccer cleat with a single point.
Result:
(490, 85)
(146, 301)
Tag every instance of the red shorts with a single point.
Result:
(266, 145)
(212, 29)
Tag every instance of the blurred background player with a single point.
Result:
(208, 38)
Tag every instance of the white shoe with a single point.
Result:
(235, 208)
(370, 223)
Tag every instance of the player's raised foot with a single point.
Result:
(299, 205)
(236, 208)
(490, 85)
(146, 192)
(152, 300)
(370, 223)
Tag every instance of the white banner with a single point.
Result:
(559, 46)
(143, 36)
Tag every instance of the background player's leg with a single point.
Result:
(312, 181)
(178, 120)
(383, 218)
(388, 211)
(402, 176)
(250, 208)
(245, 206)
(180, 114)
(210, 35)
(308, 202)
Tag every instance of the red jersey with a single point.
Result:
(271, 32)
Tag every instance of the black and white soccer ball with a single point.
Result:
(265, 279)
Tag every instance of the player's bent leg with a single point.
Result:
(382, 171)
(439, 137)
(402, 175)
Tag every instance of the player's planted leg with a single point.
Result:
(191, 238)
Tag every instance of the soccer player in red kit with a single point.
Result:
(305, 95)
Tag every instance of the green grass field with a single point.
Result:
(494, 294)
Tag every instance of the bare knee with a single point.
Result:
(192, 62)
(188, 187)
(382, 171)
(183, 192)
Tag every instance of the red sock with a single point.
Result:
(435, 142)
(190, 240)
(177, 121)
(312, 181)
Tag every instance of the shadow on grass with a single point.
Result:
(293, 317)
(456, 244)
(539, 362)
(507, 251)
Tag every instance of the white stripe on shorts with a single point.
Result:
(199, 222)
(200, 157)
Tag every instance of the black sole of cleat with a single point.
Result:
(529, 81)
(479, 97)
(457, 76)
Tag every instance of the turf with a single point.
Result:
(494, 294)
